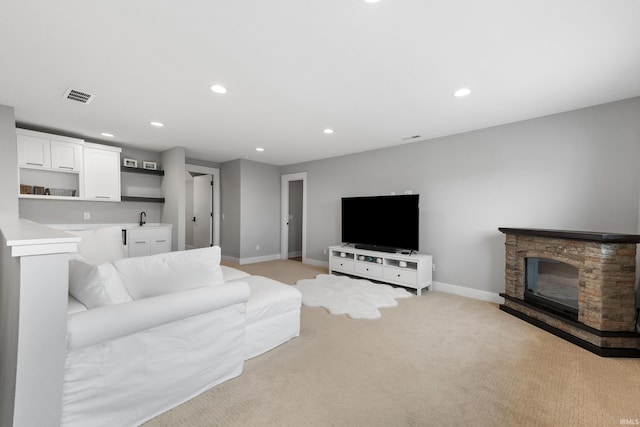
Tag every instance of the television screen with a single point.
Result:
(383, 223)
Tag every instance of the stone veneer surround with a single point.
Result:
(606, 275)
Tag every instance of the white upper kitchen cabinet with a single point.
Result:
(66, 156)
(33, 151)
(41, 150)
(101, 172)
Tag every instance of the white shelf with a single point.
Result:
(44, 197)
(408, 270)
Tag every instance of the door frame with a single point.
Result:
(215, 172)
(284, 214)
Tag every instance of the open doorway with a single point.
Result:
(294, 216)
(294, 221)
(202, 221)
(202, 202)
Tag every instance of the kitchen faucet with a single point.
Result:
(142, 221)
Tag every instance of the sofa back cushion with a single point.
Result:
(153, 275)
(96, 284)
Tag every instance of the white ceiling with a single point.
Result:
(374, 73)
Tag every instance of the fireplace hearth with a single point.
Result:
(577, 285)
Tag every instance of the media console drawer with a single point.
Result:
(342, 264)
(410, 277)
(369, 269)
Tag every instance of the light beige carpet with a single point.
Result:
(435, 360)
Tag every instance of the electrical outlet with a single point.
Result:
(86, 215)
(408, 191)
(433, 267)
(324, 251)
(257, 247)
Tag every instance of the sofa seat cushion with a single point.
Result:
(74, 306)
(230, 273)
(269, 298)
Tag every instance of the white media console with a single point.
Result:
(411, 271)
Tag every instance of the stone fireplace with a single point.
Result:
(577, 285)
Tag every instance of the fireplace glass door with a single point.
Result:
(553, 285)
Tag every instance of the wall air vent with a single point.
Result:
(411, 138)
(78, 95)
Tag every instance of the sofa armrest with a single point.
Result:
(106, 323)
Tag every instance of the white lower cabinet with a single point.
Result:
(407, 270)
(148, 241)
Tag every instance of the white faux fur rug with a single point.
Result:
(357, 298)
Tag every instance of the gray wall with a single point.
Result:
(260, 215)
(575, 170)
(173, 209)
(70, 212)
(8, 162)
(230, 205)
(9, 267)
(205, 163)
(140, 155)
(250, 193)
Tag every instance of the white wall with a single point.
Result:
(575, 170)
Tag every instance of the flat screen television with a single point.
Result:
(381, 223)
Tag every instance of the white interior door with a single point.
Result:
(202, 211)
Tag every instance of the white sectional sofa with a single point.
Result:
(146, 334)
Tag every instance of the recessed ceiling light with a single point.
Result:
(328, 131)
(463, 91)
(157, 124)
(370, 1)
(218, 89)
(107, 134)
(259, 149)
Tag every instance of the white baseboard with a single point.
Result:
(263, 258)
(468, 292)
(315, 262)
(230, 259)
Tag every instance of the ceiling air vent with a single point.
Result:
(78, 95)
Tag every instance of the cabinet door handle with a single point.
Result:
(160, 241)
(103, 197)
(35, 164)
(142, 242)
(65, 167)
